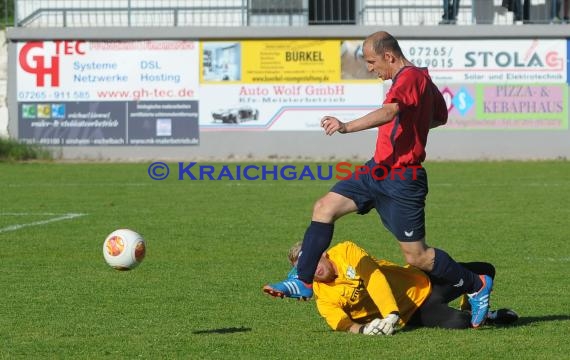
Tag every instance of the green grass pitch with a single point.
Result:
(212, 245)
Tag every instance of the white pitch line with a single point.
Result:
(563, 259)
(37, 223)
(29, 214)
(75, 184)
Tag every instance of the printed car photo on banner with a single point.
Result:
(108, 93)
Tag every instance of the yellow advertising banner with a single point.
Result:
(291, 61)
(278, 61)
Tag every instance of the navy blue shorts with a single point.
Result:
(397, 194)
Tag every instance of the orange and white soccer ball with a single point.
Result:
(124, 249)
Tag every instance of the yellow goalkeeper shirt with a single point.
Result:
(366, 288)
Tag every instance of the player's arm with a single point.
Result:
(355, 328)
(376, 118)
(377, 286)
(381, 293)
(435, 123)
(339, 320)
(438, 120)
(374, 279)
(440, 113)
(333, 313)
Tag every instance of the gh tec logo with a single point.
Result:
(36, 63)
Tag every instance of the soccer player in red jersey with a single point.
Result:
(412, 106)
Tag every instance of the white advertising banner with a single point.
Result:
(496, 61)
(108, 93)
(107, 71)
(166, 92)
(284, 106)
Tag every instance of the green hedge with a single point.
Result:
(13, 150)
(7, 13)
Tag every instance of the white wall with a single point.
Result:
(444, 144)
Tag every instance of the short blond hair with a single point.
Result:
(294, 251)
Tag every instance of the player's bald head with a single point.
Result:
(382, 42)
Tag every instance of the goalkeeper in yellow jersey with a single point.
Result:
(358, 293)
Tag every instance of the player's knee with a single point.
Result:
(413, 260)
(420, 260)
(460, 320)
(323, 211)
(490, 270)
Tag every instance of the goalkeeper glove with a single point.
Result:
(387, 326)
(371, 328)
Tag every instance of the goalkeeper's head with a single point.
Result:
(326, 270)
